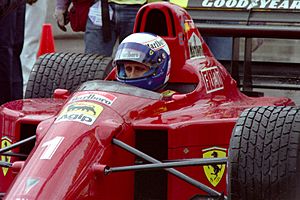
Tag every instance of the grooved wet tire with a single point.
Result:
(65, 71)
(264, 161)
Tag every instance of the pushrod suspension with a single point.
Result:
(170, 170)
(5, 164)
(192, 162)
(17, 144)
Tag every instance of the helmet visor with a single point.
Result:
(131, 51)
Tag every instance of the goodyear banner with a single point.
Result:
(239, 4)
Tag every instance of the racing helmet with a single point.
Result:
(150, 50)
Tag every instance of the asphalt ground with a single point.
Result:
(282, 50)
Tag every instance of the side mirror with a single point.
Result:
(61, 94)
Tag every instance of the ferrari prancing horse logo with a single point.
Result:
(215, 172)
(5, 142)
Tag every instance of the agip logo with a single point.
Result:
(5, 142)
(83, 112)
(215, 172)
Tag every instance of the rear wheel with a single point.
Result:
(65, 71)
(264, 161)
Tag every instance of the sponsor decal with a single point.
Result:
(188, 25)
(101, 97)
(30, 183)
(212, 79)
(181, 38)
(249, 4)
(215, 172)
(29, 188)
(195, 46)
(129, 54)
(83, 112)
(156, 44)
(5, 142)
(168, 93)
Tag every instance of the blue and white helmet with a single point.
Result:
(150, 50)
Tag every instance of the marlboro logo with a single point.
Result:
(101, 97)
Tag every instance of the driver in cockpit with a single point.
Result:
(143, 60)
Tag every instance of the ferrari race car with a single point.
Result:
(76, 136)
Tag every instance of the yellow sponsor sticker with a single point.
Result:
(181, 3)
(5, 142)
(215, 172)
(168, 93)
(187, 27)
(83, 112)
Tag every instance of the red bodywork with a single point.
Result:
(75, 134)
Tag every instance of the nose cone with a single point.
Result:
(58, 168)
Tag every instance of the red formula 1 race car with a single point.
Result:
(108, 140)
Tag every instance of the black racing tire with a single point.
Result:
(263, 160)
(65, 71)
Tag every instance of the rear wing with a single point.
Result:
(249, 19)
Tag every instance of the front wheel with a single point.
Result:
(264, 155)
